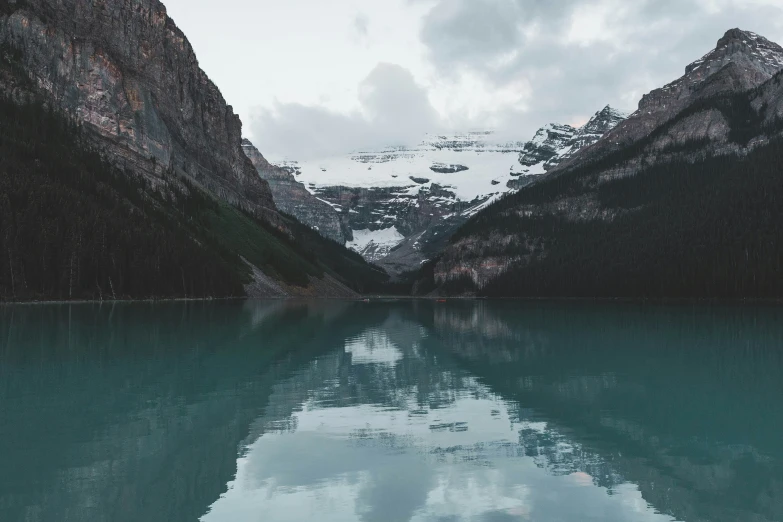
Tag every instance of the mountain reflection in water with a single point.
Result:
(391, 412)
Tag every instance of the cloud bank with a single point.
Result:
(515, 65)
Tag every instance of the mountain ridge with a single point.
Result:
(740, 61)
(729, 119)
(554, 143)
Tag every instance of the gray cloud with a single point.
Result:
(394, 101)
(467, 31)
(634, 47)
(395, 111)
(646, 43)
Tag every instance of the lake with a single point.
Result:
(391, 411)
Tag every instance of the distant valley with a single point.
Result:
(398, 206)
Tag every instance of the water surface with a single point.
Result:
(341, 411)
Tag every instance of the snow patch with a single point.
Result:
(375, 244)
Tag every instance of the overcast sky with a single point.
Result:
(312, 78)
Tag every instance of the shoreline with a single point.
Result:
(376, 298)
(112, 301)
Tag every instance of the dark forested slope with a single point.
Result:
(73, 226)
(710, 229)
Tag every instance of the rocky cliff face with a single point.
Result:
(124, 69)
(554, 143)
(600, 124)
(741, 60)
(547, 145)
(293, 198)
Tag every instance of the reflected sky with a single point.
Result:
(371, 446)
(391, 412)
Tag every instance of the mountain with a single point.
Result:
(681, 199)
(293, 198)
(398, 206)
(741, 61)
(128, 72)
(554, 144)
(123, 172)
(547, 148)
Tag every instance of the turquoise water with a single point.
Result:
(341, 411)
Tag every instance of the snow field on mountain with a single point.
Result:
(395, 169)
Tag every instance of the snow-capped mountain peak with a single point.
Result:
(554, 143)
(603, 121)
(740, 61)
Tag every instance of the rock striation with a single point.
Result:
(125, 70)
(740, 61)
(293, 198)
